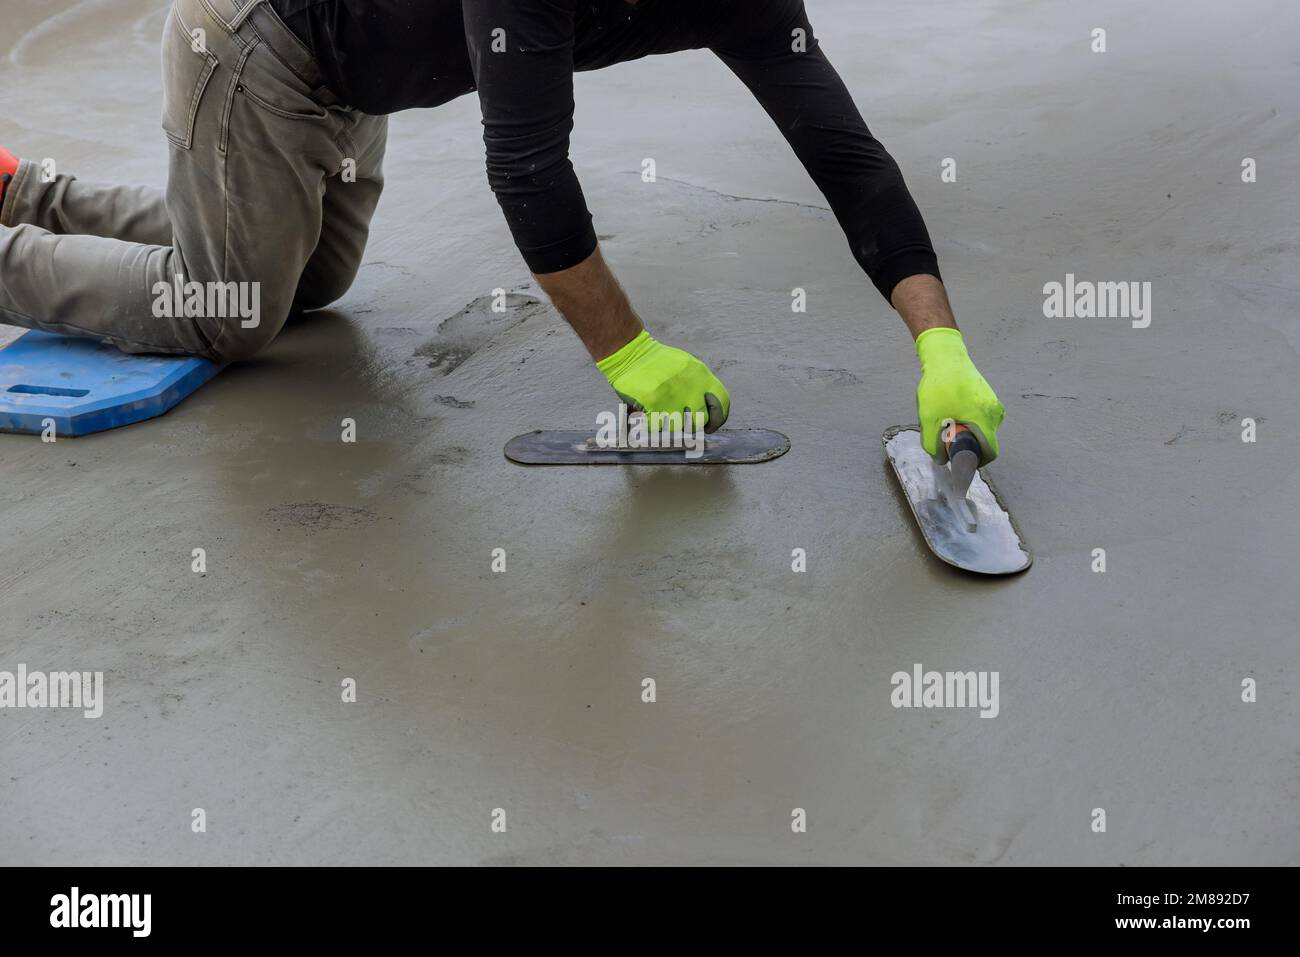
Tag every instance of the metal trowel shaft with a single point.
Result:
(963, 461)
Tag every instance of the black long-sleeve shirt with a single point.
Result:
(381, 56)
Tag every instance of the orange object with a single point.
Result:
(8, 169)
(951, 431)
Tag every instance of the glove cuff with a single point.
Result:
(615, 364)
(935, 345)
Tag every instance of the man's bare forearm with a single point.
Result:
(594, 304)
(922, 303)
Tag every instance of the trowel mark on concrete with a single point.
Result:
(821, 375)
(692, 573)
(452, 455)
(397, 267)
(440, 634)
(460, 336)
(1188, 433)
(739, 199)
(1236, 417)
(51, 29)
(316, 515)
(1059, 348)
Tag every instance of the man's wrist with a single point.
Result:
(922, 303)
(594, 304)
(619, 331)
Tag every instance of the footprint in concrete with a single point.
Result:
(460, 336)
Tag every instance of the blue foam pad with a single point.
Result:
(86, 385)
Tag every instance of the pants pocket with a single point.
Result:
(273, 87)
(188, 65)
(305, 112)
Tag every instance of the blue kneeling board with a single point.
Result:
(86, 385)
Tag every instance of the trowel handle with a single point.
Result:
(963, 440)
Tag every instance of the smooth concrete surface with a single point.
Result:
(522, 690)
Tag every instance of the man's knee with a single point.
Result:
(234, 343)
(322, 292)
(243, 333)
(328, 277)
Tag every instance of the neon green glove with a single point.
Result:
(952, 388)
(652, 377)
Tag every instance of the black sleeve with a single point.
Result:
(522, 55)
(808, 101)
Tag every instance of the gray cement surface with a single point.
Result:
(522, 690)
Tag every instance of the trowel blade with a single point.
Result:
(993, 547)
(572, 447)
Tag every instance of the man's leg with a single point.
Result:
(138, 214)
(65, 205)
(250, 152)
(84, 284)
(349, 204)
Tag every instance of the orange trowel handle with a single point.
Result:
(958, 438)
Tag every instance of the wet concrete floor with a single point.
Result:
(522, 690)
